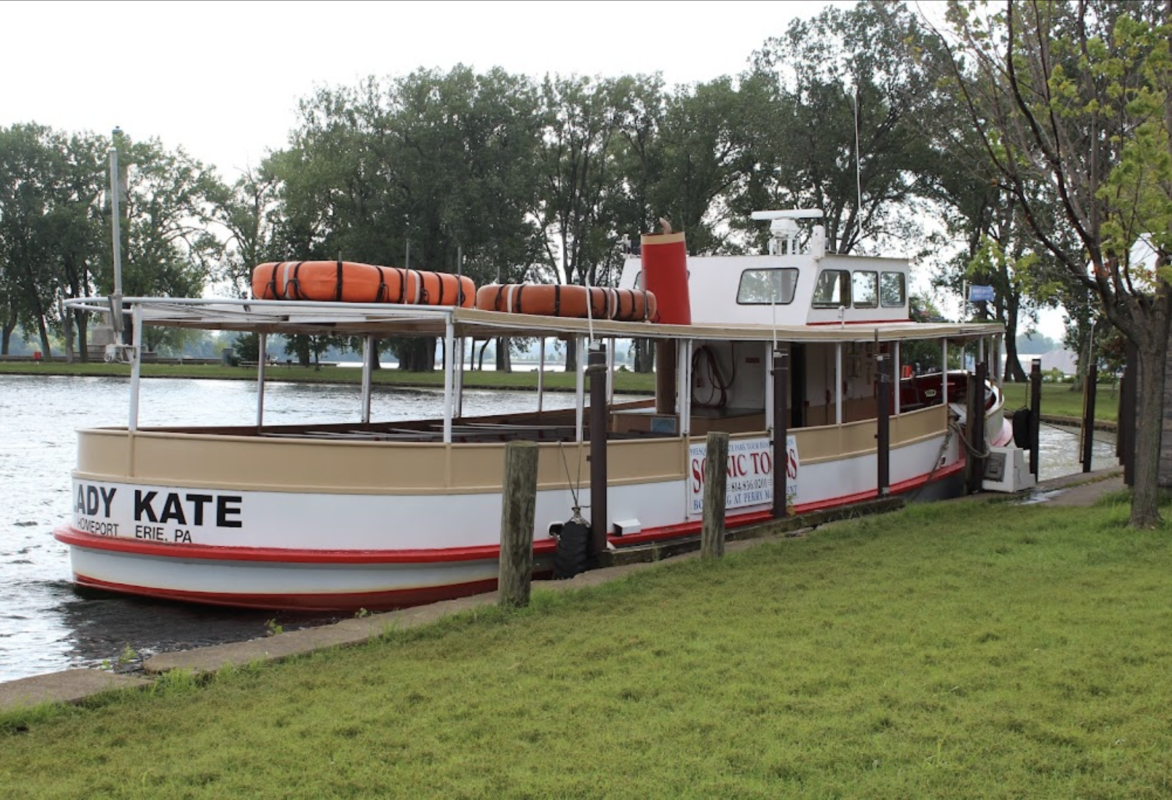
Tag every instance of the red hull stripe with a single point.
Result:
(371, 601)
(199, 552)
(196, 552)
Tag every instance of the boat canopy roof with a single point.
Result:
(383, 320)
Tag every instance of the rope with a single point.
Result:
(935, 464)
(968, 445)
(573, 490)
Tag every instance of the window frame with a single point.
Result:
(902, 289)
(841, 303)
(875, 302)
(793, 287)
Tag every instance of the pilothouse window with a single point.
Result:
(764, 286)
(833, 289)
(866, 289)
(893, 289)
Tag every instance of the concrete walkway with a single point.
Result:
(75, 685)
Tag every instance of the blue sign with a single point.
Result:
(980, 293)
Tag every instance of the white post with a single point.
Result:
(367, 352)
(260, 381)
(838, 383)
(980, 349)
(944, 370)
(684, 390)
(135, 367)
(610, 373)
(896, 377)
(116, 221)
(460, 379)
(449, 368)
(541, 374)
(580, 353)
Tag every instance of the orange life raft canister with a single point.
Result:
(350, 282)
(567, 300)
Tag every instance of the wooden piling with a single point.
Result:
(975, 427)
(599, 514)
(883, 426)
(715, 495)
(1128, 407)
(518, 510)
(1088, 416)
(780, 435)
(1035, 415)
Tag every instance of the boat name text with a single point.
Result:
(158, 514)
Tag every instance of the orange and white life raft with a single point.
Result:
(351, 282)
(567, 300)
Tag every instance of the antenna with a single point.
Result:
(858, 167)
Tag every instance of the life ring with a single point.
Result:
(351, 282)
(567, 300)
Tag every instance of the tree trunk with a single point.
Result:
(418, 355)
(44, 331)
(571, 354)
(644, 356)
(6, 337)
(83, 341)
(483, 348)
(504, 361)
(1013, 370)
(1145, 508)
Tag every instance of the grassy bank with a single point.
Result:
(953, 650)
(625, 382)
(1058, 399)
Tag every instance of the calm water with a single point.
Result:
(46, 624)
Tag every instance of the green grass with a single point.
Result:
(1059, 400)
(951, 650)
(625, 382)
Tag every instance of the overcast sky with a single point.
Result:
(222, 79)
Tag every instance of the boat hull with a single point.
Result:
(334, 547)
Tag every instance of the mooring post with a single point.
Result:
(1128, 396)
(780, 434)
(1035, 414)
(1088, 416)
(977, 426)
(715, 494)
(883, 426)
(518, 510)
(596, 368)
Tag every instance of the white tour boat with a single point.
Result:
(376, 514)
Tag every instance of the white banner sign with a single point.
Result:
(750, 474)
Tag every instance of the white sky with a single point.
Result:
(222, 79)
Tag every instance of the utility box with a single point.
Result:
(1007, 470)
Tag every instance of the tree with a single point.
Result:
(832, 87)
(1072, 104)
(435, 164)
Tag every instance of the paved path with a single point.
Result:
(1081, 489)
(74, 685)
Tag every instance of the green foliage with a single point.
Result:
(812, 82)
